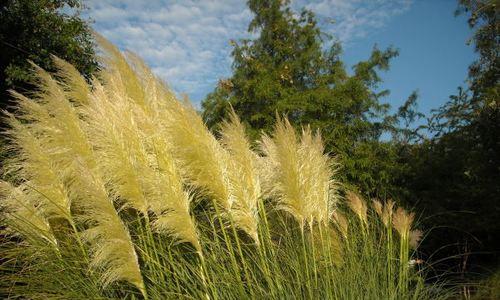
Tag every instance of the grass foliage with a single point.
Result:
(116, 189)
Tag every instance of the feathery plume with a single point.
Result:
(72, 81)
(357, 205)
(62, 133)
(55, 118)
(384, 211)
(134, 153)
(110, 241)
(299, 173)
(32, 165)
(341, 222)
(402, 222)
(170, 202)
(243, 176)
(24, 217)
(415, 238)
(118, 143)
(119, 74)
(388, 212)
(202, 160)
(378, 207)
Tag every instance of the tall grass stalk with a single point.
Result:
(115, 189)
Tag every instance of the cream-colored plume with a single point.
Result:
(243, 176)
(357, 205)
(299, 174)
(131, 140)
(54, 139)
(201, 159)
(24, 215)
(402, 222)
(33, 166)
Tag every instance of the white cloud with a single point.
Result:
(187, 42)
(351, 20)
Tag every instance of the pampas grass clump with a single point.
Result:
(115, 189)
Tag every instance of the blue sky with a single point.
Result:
(187, 42)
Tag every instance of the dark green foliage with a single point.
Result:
(455, 175)
(35, 29)
(293, 69)
(484, 72)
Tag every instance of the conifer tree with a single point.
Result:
(293, 69)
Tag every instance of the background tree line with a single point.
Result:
(448, 170)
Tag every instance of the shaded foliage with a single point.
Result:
(455, 174)
(35, 30)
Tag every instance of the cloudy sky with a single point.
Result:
(187, 42)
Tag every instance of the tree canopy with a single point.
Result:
(293, 69)
(36, 29)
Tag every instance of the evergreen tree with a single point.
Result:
(291, 68)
